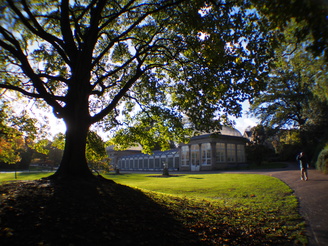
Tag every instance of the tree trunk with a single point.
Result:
(74, 163)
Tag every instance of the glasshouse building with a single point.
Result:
(203, 152)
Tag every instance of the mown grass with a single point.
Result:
(221, 208)
(10, 176)
(253, 203)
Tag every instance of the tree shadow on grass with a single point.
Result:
(45, 212)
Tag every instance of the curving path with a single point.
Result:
(313, 199)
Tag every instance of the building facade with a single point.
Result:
(203, 152)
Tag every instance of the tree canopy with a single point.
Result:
(311, 15)
(142, 65)
(17, 132)
(295, 95)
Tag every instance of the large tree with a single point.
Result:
(310, 14)
(295, 94)
(17, 132)
(131, 61)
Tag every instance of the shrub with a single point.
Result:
(322, 161)
(258, 153)
(289, 152)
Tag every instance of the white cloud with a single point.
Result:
(245, 121)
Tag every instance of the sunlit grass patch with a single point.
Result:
(232, 209)
(9, 176)
(228, 207)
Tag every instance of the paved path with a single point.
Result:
(313, 199)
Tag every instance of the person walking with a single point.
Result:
(302, 161)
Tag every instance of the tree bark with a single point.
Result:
(74, 163)
(77, 119)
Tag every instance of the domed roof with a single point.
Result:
(225, 131)
(229, 131)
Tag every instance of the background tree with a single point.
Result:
(294, 94)
(259, 148)
(17, 132)
(95, 150)
(132, 61)
(310, 15)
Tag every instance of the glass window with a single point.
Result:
(176, 162)
(185, 155)
(231, 152)
(157, 164)
(151, 162)
(206, 154)
(194, 154)
(220, 152)
(240, 153)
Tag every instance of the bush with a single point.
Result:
(322, 161)
(258, 153)
(289, 152)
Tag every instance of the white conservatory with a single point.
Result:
(203, 152)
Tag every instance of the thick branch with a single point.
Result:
(58, 78)
(127, 31)
(37, 83)
(66, 30)
(117, 98)
(38, 30)
(21, 90)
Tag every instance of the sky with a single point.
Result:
(245, 121)
(241, 123)
(57, 125)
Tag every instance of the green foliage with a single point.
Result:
(121, 61)
(59, 141)
(288, 152)
(155, 130)
(40, 146)
(11, 136)
(258, 153)
(260, 148)
(292, 93)
(322, 161)
(48, 152)
(294, 97)
(96, 151)
(311, 17)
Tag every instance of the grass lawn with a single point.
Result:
(10, 176)
(221, 209)
(250, 202)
